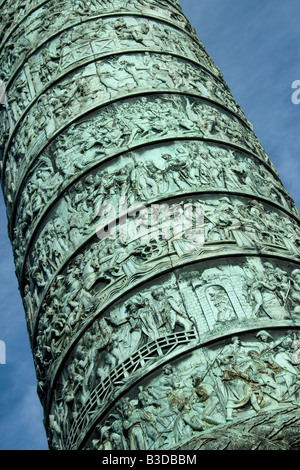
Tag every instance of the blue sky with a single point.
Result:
(256, 44)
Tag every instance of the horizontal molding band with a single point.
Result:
(100, 415)
(108, 15)
(93, 59)
(98, 107)
(90, 169)
(17, 25)
(142, 282)
(98, 58)
(41, 4)
(113, 15)
(201, 342)
(178, 195)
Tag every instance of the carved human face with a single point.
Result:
(264, 337)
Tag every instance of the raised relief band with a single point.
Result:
(156, 248)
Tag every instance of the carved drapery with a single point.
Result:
(143, 344)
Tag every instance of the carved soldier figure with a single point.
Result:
(119, 99)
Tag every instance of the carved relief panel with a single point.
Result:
(190, 306)
(211, 387)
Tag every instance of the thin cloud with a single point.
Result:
(256, 45)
